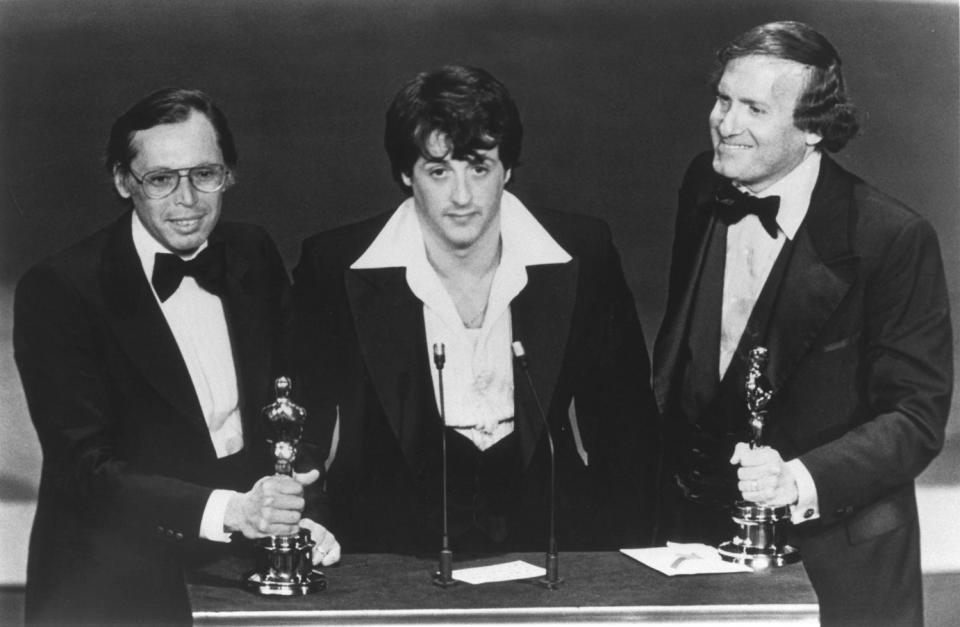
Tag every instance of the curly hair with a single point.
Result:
(471, 108)
(823, 107)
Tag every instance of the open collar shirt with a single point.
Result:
(478, 374)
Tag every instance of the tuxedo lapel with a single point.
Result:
(819, 275)
(389, 325)
(140, 327)
(673, 336)
(541, 315)
(247, 316)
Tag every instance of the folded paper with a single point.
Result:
(685, 559)
(499, 572)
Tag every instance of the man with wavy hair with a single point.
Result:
(777, 246)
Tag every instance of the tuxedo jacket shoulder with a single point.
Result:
(338, 248)
(128, 461)
(860, 338)
(577, 322)
(861, 371)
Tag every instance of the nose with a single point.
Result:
(462, 193)
(726, 122)
(184, 193)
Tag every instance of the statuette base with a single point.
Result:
(760, 542)
(285, 567)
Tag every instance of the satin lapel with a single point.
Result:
(140, 327)
(673, 335)
(819, 275)
(541, 315)
(389, 325)
(247, 318)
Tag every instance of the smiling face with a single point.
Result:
(457, 201)
(182, 221)
(755, 140)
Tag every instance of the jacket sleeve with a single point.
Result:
(906, 381)
(615, 402)
(312, 346)
(79, 425)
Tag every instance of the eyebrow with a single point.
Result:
(748, 101)
(476, 157)
(751, 101)
(473, 158)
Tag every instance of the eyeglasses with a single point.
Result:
(157, 184)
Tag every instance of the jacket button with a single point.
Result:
(179, 536)
(160, 530)
(170, 533)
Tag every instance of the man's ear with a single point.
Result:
(120, 182)
(811, 138)
(506, 176)
(406, 179)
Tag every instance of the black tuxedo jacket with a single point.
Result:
(861, 372)
(361, 334)
(128, 463)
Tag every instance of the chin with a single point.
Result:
(186, 245)
(724, 166)
(721, 166)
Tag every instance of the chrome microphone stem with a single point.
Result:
(552, 579)
(444, 575)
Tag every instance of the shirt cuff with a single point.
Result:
(211, 525)
(806, 508)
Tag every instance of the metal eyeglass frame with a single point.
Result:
(181, 174)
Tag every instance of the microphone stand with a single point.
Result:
(552, 579)
(444, 576)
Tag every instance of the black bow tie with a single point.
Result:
(732, 205)
(207, 269)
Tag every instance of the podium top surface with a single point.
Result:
(597, 588)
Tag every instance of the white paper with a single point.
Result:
(685, 559)
(499, 572)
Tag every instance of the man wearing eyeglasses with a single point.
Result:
(146, 352)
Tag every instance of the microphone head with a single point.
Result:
(439, 355)
(518, 351)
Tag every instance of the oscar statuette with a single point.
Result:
(761, 537)
(284, 565)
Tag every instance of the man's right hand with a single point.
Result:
(273, 507)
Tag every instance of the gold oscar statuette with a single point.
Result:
(761, 530)
(284, 565)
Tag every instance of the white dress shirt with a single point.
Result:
(750, 256)
(478, 374)
(199, 327)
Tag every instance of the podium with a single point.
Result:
(382, 589)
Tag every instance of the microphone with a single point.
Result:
(552, 579)
(444, 575)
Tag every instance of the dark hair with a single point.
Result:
(166, 106)
(823, 108)
(471, 108)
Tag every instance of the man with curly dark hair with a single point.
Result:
(463, 264)
(777, 246)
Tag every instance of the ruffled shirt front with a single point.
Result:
(478, 371)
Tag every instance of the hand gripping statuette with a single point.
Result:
(284, 565)
(761, 536)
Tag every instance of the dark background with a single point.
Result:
(614, 96)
